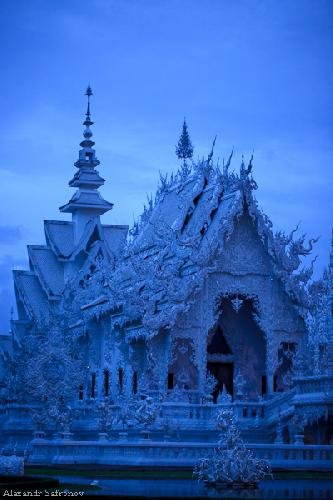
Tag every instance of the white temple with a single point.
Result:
(199, 305)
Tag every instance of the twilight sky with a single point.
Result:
(256, 73)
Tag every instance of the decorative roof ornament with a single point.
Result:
(246, 179)
(211, 154)
(227, 165)
(87, 155)
(237, 304)
(244, 172)
(224, 397)
(184, 148)
(88, 93)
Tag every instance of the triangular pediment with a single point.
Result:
(244, 250)
(92, 235)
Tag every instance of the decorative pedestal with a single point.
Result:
(66, 435)
(279, 435)
(299, 439)
(145, 435)
(123, 436)
(39, 435)
(103, 436)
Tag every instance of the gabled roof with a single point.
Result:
(168, 214)
(45, 280)
(32, 295)
(60, 236)
(111, 237)
(48, 269)
(189, 211)
(92, 232)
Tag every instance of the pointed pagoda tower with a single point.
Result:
(87, 203)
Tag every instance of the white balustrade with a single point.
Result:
(172, 453)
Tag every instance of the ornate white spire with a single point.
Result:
(86, 203)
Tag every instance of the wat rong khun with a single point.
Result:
(129, 344)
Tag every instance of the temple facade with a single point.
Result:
(200, 304)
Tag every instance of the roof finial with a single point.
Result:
(211, 154)
(87, 122)
(87, 154)
(184, 148)
(88, 93)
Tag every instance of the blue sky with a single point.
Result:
(256, 73)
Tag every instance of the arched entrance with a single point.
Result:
(236, 350)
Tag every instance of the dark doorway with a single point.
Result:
(224, 373)
(263, 385)
(218, 343)
(170, 381)
(237, 343)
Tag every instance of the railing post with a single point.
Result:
(299, 439)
